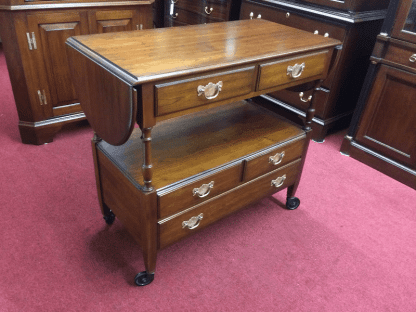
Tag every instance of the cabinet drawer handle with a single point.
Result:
(413, 58)
(193, 222)
(276, 159)
(287, 15)
(210, 10)
(211, 90)
(296, 70)
(305, 100)
(279, 181)
(174, 15)
(203, 190)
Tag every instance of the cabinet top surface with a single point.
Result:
(148, 55)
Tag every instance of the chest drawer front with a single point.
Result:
(272, 159)
(189, 5)
(279, 73)
(289, 18)
(402, 55)
(196, 218)
(216, 9)
(199, 191)
(321, 98)
(180, 95)
(181, 16)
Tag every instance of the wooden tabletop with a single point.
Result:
(142, 56)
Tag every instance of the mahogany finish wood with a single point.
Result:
(356, 24)
(39, 72)
(195, 159)
(383, 131)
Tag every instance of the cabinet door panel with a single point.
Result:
(114, 21)
(388, 120)
(51, 31)
(405, 24)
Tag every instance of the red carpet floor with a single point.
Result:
(351, 246)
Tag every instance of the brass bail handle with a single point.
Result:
(203, 190)
(193, 222)
(211, 90)
(279, 181)
(296, 70)
(276, 159)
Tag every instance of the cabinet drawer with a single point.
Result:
(172, 229)
(189, 5)
(321, 98)
(289, 18)
(216, 9)
(175, 96)
(277, 73)
(402, 55)
(183, 16)
(260, 164)
(172, 201)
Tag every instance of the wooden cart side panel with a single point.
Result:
(107, 102)
(135, 209)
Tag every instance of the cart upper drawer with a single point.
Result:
(272, 158)
(179, 95)
(173, 201)
(402, 55)
(289, 70)
(184, 224)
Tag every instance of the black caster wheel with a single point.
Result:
(109, 219)
(292, 203)
(144, 278)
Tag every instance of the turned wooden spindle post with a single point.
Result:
(147, 168)
(311, 109)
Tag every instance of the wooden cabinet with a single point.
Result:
(201, 151)
(383, 131)
(356, 24)
(191, 12)
(34, 35)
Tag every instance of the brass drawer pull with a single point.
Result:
(211, 90)
(279, 181)
(210, 10)
(193, 222)
(296, 70)
(276, 159)
(203, 190)
(305, 100)
(413, 58)
(287, 15)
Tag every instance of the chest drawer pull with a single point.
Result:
(203, 190)
(305, 100)
(211, 90)
(193, 222)
(276, 159)
(413, 58)
(296, 70)
(210, 10)
(279, 181)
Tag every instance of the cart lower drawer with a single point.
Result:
(173, 200)
(198, 217)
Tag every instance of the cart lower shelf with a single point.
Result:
(205, 165)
